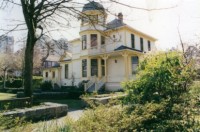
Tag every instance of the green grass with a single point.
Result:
(72, 103)
(4, 96)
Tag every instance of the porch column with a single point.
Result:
(125, 55)
(129, 66)
(105, 57)
(88, 68)
(99, 68)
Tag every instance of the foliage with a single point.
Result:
(158, 98)
(15, 103)
(11, 122)
(102, 118)
(46, 86)
(161, 76)
(37, 82)
(16, 83)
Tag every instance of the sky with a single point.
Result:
(163, 24)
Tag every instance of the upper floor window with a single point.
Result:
(141, 44)
(102, 40)
(66, 71)
(84, 42)
(84, 68)
(93, 40)
(133, 41)
(149, 45)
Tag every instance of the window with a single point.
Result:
(102, 40)
(133, 41)
(84, 68)
(53, 74)
(134, 63)
(149, 45)
(103, 67)
(84, 42)
(66, 71)
(93, 18)
(94, 67)
(46, 74)
(89, 19)
(93, 40)
(141, 44)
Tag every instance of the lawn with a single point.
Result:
(72, 103)
(4, 96)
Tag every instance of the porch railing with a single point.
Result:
(90, 83)
(103, 48)
(94, 84)
(100, 83)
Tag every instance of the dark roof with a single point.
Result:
(93, 6)
(115, 23)
(122, 47)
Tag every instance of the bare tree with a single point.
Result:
(6, 63)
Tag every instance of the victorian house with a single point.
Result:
(105, 54)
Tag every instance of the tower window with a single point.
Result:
(102, 40)
(84, 42)
(93, 40)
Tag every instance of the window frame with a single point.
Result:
(103, 42)
(92, 42)
(141, 44)
(84, 68)
(94, 67)
(84, 42)
(133, 41)
(149, 45)
(134, 71)
(46, 74)
(66, 71)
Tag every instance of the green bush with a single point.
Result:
(159, 96)
(46, 86)
(14, 84)
(37, 83)
(74, 92)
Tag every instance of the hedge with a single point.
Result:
(15, 103)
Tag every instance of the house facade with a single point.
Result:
(105, 54)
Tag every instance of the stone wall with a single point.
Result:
(43, 112)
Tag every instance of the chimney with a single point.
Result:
(120, 16)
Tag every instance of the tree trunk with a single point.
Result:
(28, 69)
